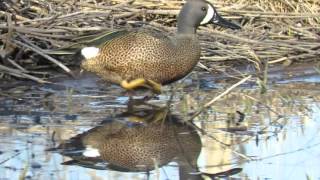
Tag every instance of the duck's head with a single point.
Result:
(200, 12)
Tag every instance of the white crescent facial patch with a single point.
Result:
(209, 15)
(90, 52)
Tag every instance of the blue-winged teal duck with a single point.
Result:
(148, 59)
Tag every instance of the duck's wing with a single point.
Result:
(95, 40)
(98, 40)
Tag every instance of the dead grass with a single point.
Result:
(274, 31)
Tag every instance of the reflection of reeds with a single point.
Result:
(24, 172)
(264, 111)
(273, 31)
(268, 116)
(212, 101)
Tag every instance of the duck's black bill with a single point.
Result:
(218, 20)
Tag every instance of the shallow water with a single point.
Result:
(277, 139)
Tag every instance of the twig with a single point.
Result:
(208, 104)
(39, 51)
(17, 65)
(16, 154)
(18, 73)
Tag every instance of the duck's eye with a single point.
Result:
(204, 9)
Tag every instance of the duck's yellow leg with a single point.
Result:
(140, 82)
(133, 84)
(156, 87)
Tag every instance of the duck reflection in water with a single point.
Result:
(125, 143)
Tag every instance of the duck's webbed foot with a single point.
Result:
(141, 82)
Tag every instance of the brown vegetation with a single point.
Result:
(274, 31)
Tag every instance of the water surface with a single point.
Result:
(45, 130)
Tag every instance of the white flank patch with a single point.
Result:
(209, 15)
(90, 52)
(91, 152)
